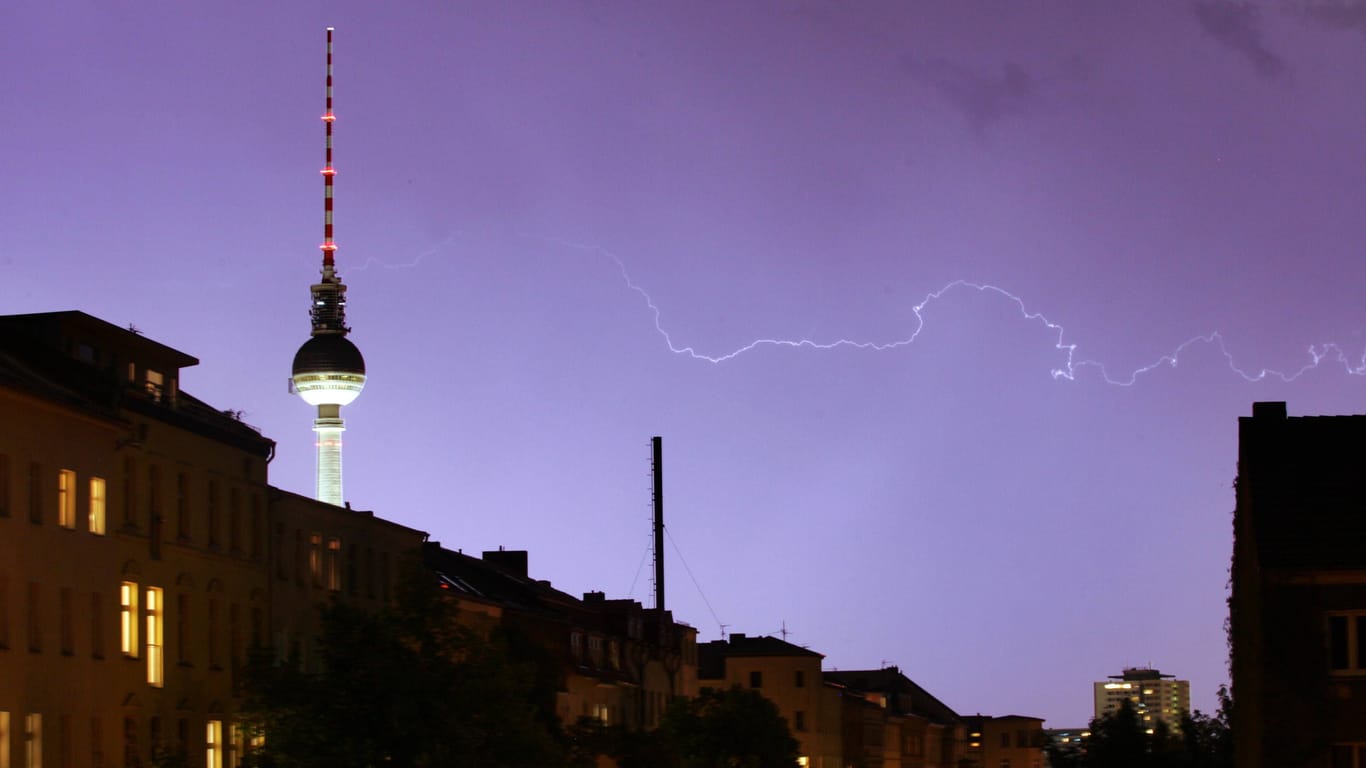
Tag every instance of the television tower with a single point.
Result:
(329, 371)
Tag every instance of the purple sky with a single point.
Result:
(1139, 173)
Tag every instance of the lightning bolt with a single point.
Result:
(1318, 354)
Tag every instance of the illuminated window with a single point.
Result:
(333, 566)
(33, 741)
(128, 618)
(155, 627)
(315, 562)
(4, 739)
(155, 384)
(96, 517)
(66, 498)
(213, 744)
(1347, 643)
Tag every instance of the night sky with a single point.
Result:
(569, 226)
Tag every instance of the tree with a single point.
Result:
(736, 727)
(1119, 740)
(403, 687)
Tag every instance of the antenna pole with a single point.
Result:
(657, 461)
(328, 245)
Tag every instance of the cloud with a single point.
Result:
(983, 99)
(1238, 26)
(1345, 15)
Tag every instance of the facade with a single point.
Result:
(1010, 741)
(1155, 697)
(613, 660)
(916, 730)
(142, 553)
(132, 543)
(790, 677)
(1298, 606)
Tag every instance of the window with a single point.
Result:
(97, 506)
(211, 504)
(756, 679)
(1005, 739)
(35, 493)
(154, 519)
(333, 567)
(799, 720)
(66, 498)
(35, 629)
(64, 741)
(4, 496)
(215, 656)
(130, 493)
(4, 739)
(155, 384)
(33, 740)
(182, 629)
(1348, 756)
(128, 618)
(213, 744)
(182, 506)
(96, 626)
(256, 527)
(799, 679)
(234, 521)
(96, 743)
(155, 627)
(1347, 642)
(4, 614)
(315, 555)
(64, 632)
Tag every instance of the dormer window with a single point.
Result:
(155, 385)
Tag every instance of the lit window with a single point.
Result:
(155, 384)
(97, 505)
(213, 744)
(66, 498)
(333, 567)
(128, 618)
(1347, 643)
(4, 739)
(155, 615)
(33, 741)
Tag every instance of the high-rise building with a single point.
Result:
(329, 371)
(1155, 697)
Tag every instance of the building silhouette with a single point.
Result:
(1297, 613)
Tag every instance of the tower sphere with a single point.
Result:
(328, 370)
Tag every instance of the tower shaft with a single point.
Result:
(329, 426)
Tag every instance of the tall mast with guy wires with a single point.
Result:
(329, 371)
